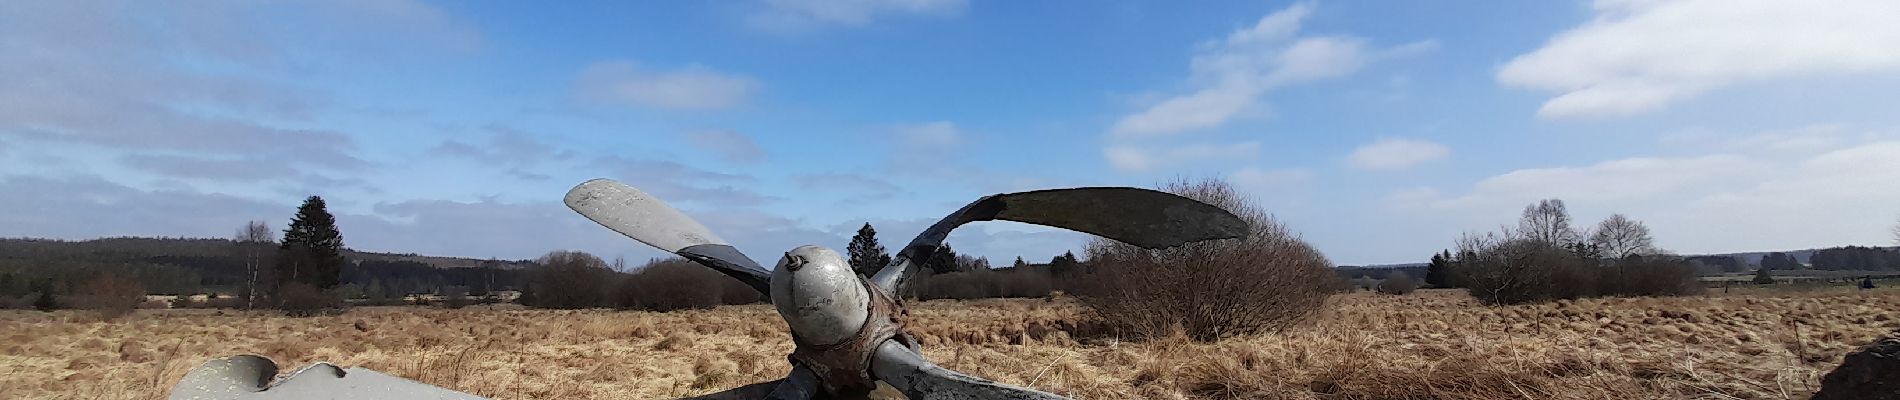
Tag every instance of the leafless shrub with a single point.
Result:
(1540, 262)
(568, 279)
(298, 299)
(671, 284)
(1267, 281)
(112, 295)
(455, 297)
(1397, 283)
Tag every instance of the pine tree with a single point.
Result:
(1438, 273)
(1019, 264)
(1063, 264)
(943, 260)
(867, 256)
(312, 250)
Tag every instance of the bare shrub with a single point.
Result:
(1397, 283)
(112, 295)
(298, 299)
(568, 279)
(678, 284)
(1540, 263)
(454, 297)
(1268, 281)
(1653, 275)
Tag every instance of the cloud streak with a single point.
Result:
(1390, 154)
(691, 88)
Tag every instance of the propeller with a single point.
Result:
(813, 292)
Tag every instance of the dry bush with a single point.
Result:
(679, 284)
(298, 299)
(569, 280)
(1267, 281)
(1503, 269)
(112, 295)
(455, 297)
(1397, 283)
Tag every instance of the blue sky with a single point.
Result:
(1377, 130)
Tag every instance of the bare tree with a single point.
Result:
(1619, 236)
(254, 242)
(1548, 221)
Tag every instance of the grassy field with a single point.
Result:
(1431, 344)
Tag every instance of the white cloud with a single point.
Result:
(1396, 154)
(1230, 74)
(732, 146)
(1706, 203)
(1642, 56)
(929, 135)
(800, 14)
(691, 88)
(1143, 158)
(211, 80)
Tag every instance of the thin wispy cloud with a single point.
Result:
(689, 88)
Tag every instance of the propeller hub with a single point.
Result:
(819, 295)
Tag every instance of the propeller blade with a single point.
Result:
(1146, 218)
(248, 377)
(919, 379)
(801, 384)
(648, 220)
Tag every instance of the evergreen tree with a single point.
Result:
(312, 249)
(1063, 264)
(943, 260)
(1019, 264)
(867, 256)
(1438, 273)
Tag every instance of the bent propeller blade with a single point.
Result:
(1142, 217)
(919, 379)
(648, 220)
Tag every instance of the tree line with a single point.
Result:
(252, 270)
(1546, 258)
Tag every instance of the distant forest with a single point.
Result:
(194, 266)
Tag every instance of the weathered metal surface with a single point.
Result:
(1142, 217)
(648, 220)
(922, 380)
(249, 377)
(818, 295)
(845, 367)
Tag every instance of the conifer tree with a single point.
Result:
(312, 249)
(866, 255)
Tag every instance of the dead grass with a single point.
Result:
(1433, 344)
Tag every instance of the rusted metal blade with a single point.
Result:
(648, 220)
(1142, 217)
(919, 379)
(249, 377)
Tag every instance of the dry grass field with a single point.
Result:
(1431, 344)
